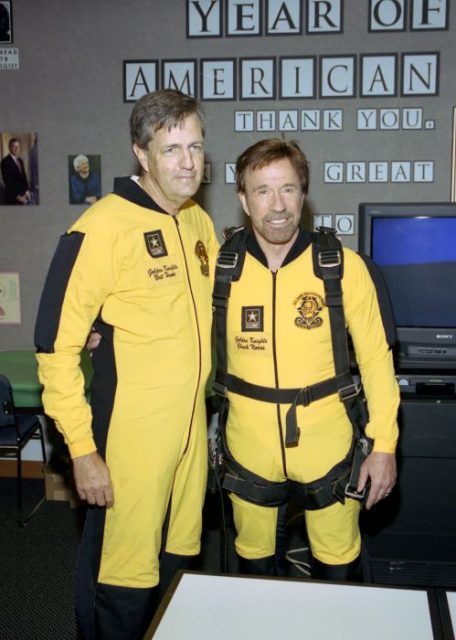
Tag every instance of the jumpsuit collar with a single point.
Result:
(130, 190)
(303, 240)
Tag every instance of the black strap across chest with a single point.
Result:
(327, 256)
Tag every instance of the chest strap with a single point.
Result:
(342, 384)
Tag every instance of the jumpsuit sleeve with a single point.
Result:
(373, 354)
(81, 276)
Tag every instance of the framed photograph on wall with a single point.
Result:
(84, 176)
(6, 22)
(453, 160)
(10, 300)
(19, 176)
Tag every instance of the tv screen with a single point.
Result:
(414, 245)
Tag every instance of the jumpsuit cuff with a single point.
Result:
(82, 447)
(384, 446)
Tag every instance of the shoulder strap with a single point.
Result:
(230, 262)
(328, 265)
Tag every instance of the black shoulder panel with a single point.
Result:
(50, 308)
(384, 300)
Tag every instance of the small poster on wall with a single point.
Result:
(10, 302)
(19, 184)
(6, 22)
(84, 174)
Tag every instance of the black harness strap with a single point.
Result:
(327, 257)
(303, 396)
(230, 262)
(328, 265)
(313, 495)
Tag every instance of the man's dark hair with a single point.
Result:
(12, 141)
(263, 153)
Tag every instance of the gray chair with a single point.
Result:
(16, 429)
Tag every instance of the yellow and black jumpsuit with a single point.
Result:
(144, 278)
(278, 335)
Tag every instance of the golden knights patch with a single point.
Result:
(201, 253)
(309, 307)
(155, 244)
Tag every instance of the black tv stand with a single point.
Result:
(411, 535)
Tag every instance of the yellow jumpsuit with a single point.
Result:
(278, 335)
(147, 279)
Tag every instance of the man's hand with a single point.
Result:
(93, 340)
(93, 482)
(381, 469)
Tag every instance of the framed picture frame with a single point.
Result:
(6, 22)
(10, 298)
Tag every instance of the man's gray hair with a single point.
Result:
(159, 109)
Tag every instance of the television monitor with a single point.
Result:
(414, 245)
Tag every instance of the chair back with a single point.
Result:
(7, 413)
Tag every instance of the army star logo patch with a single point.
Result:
(155, 244)
(252, 319)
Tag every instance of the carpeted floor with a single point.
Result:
(37, 567)
(38, 563)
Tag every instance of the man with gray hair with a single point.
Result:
(137, 266)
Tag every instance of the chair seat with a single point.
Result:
(16, 429)
(26, 425)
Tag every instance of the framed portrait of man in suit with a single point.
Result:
(19, 183)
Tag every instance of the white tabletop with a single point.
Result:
(451, 597)
(241, 608)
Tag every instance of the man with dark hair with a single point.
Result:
(137, 266)
(293, 419)
(14, 176)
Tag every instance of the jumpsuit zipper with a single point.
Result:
(276, 372)
(197, 332)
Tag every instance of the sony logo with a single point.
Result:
(444, 336)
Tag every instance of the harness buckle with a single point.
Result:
(351, 492)
(329, 258)
(350, 391)
(220, 389)
(227, 259)
(303, 397)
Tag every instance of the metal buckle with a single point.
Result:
(219, 389)
(303, 397)
(227, 259)
(350, 391)
(330, 258)
(352, 493)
